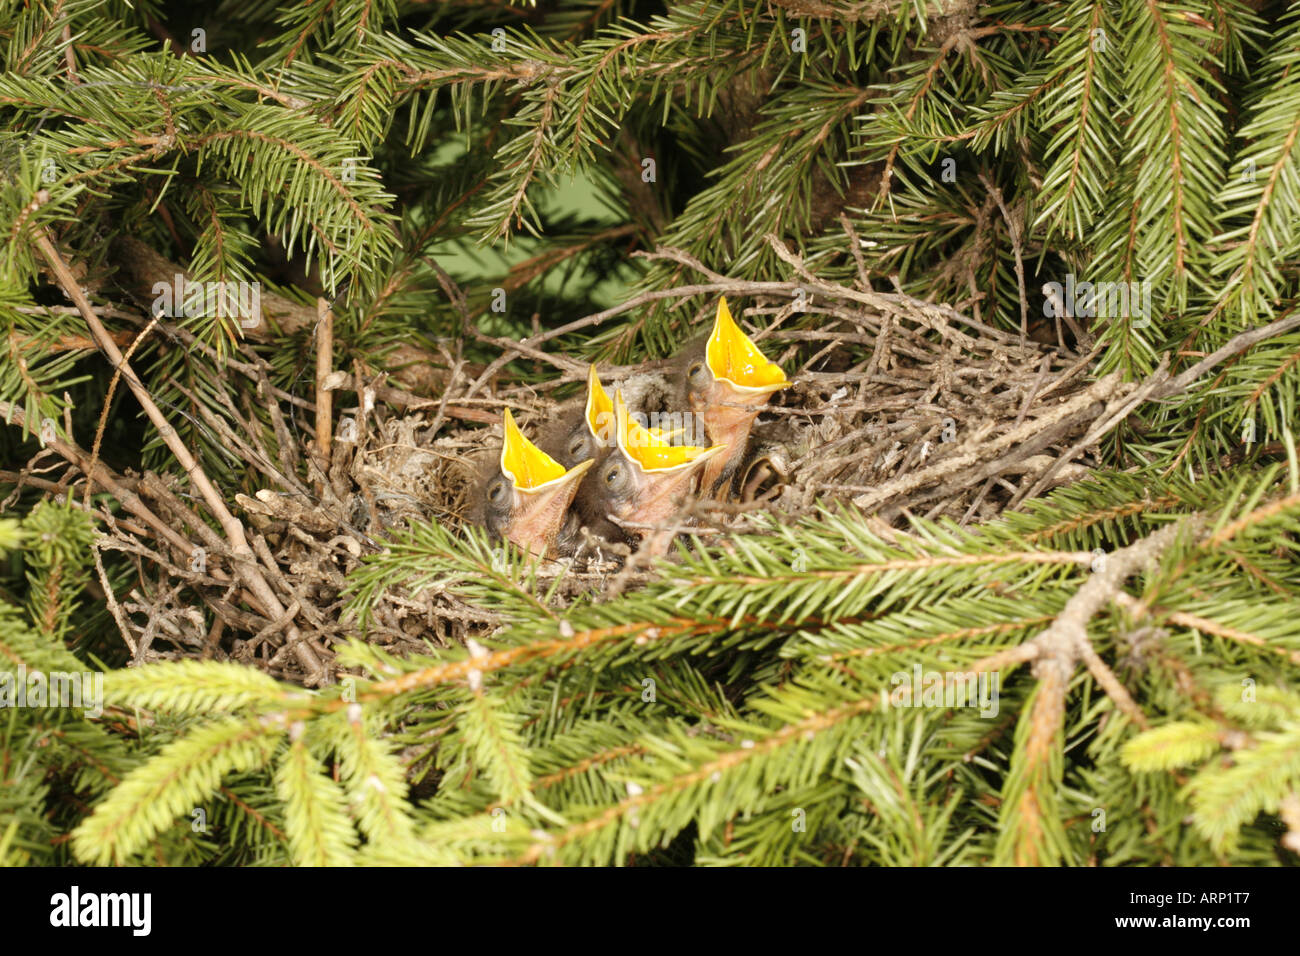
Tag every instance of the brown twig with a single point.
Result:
(234, 530)
(103, 477)
(108, 402)
(1014, 229)
(324, 365)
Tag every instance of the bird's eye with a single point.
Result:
(612, 474)
(696, 370)
(577, 445)
(497, 490)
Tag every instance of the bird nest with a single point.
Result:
(898, 406)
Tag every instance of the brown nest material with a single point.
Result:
(902, 407)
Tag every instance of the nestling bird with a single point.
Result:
(527, 494)
(580, 430)
(642, 480)
(586, 430)
(614, 471)
(583, 431)
(725, 380)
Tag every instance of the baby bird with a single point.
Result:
(725, 380)
(581, 430)
(526, 497)
(642, 480)
(587, 430)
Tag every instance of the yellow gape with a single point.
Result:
(649, 450)
(526, 466)
(600, 414)
(734, 359)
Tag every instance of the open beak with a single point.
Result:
(542, 491)
(600, 410)
(741, 379)
(600, 415)
(734, 359)
(665, 474)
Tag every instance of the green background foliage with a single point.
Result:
(729, 713)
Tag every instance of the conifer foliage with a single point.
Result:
(220, 224)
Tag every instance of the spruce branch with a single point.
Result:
(185, 774)
(316, 821)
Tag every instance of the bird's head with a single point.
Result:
(526, 499)
(592, 434)
(645, 477)
(727, 382)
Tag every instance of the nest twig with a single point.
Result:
(903, 407)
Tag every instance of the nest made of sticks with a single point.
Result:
(900, 406)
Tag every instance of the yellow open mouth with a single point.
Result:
(600, 415)
(733, 358)
(650, 450)
(600, 410)
(529, 468)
